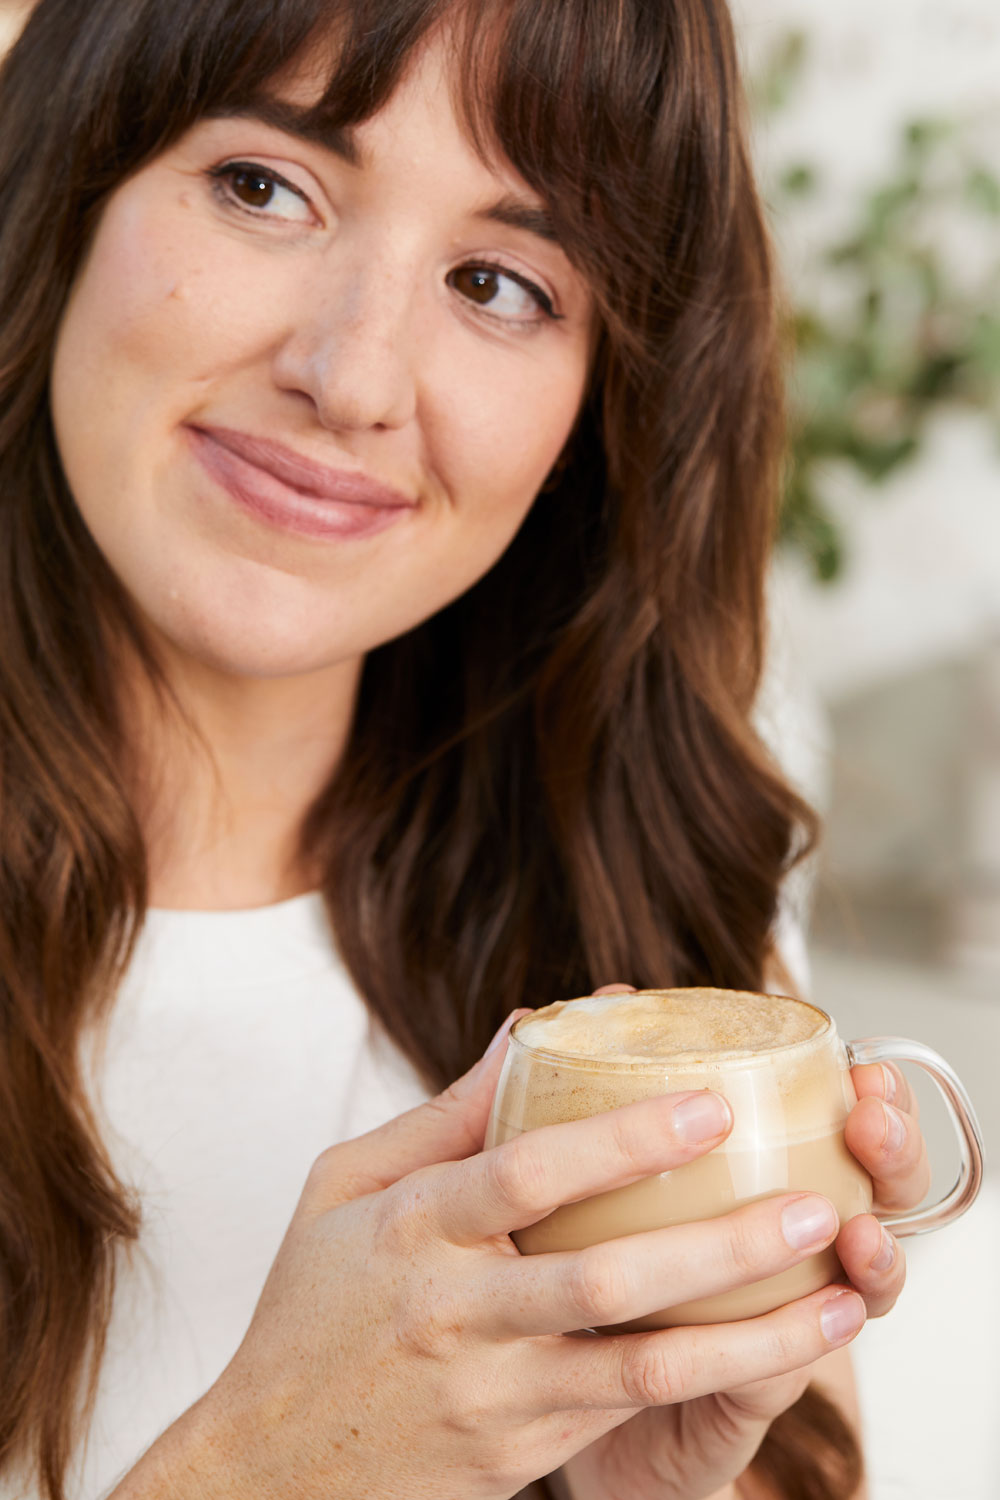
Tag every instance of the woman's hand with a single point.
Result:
(636, 1458)
(691, 1451)
(644, 1457)
(883, 1133)
(402, 1346)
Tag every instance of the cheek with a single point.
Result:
(152, 315)
(499, 436)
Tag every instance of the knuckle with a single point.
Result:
(599, 1287)
(742, 1249)
(429, 1332)
(786, 1345)
(901, 1187)
(652, 1372)
(323, 1177)
(450, 1105)
(470, 1409)
(630, 1144)
(402, 1215)
(430, 1320)
(470, 1419)
(763, 1402)
(496, 1465)
(415, 1335)
(515, 1176)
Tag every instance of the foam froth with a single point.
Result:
(683, 1025)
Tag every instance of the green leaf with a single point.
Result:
(799, 181)
(877, 460)
(920, 137)
(807, 526)
(938, 376)
(888, 203)
(982, 189)
(773, 87)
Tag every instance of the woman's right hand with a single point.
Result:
(403, 1346)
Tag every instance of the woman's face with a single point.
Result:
(305, 392)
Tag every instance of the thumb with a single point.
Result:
(449, 1127)
(765, 1400)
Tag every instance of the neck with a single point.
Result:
(222, 797)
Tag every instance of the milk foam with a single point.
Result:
(682, 1025)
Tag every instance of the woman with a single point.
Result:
(389, 434)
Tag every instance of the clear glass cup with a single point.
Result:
(789, 1106)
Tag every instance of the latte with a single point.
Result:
(779, 1063)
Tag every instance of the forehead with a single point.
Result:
(320, 89)
(297, 103)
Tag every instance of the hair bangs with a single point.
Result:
(619, 114)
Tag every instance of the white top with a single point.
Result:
(237, 1051)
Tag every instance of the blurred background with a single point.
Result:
(877, 133)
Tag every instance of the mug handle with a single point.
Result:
(876, 1049)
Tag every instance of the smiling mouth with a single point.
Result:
(292, 493)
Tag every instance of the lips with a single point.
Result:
(286, 490)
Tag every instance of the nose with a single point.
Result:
(352, 350)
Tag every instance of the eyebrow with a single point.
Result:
(518, 214)
(306, 124)
(341, 140)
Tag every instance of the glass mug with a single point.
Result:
(789, 1103)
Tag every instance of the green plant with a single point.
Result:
(915, 286)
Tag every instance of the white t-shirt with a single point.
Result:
(237, 1051)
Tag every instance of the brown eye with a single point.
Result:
(478, 283)
(261, 193)
(252, 189)
(504, 293)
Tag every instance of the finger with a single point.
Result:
(680, 1364)
(885, 1081)
(733, 1421)
(627, 1278)
(873, 1262)
(891, 1148)
(446, 1128)
(518, 1183)
(764, 1400)
(615, 989)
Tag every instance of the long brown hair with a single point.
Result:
(553, 782)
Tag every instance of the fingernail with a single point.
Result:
(501, 1035)
(889, 1080)
(885, 1255)
(808, 1221)
(701, 1117)
(841, 1317)
(895, 1130)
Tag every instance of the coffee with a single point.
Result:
(684, 1025)
(778, 1062)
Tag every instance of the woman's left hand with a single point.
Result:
(883, 1133)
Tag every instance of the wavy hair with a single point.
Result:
(552, 782)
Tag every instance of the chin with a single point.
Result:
(251, 643)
